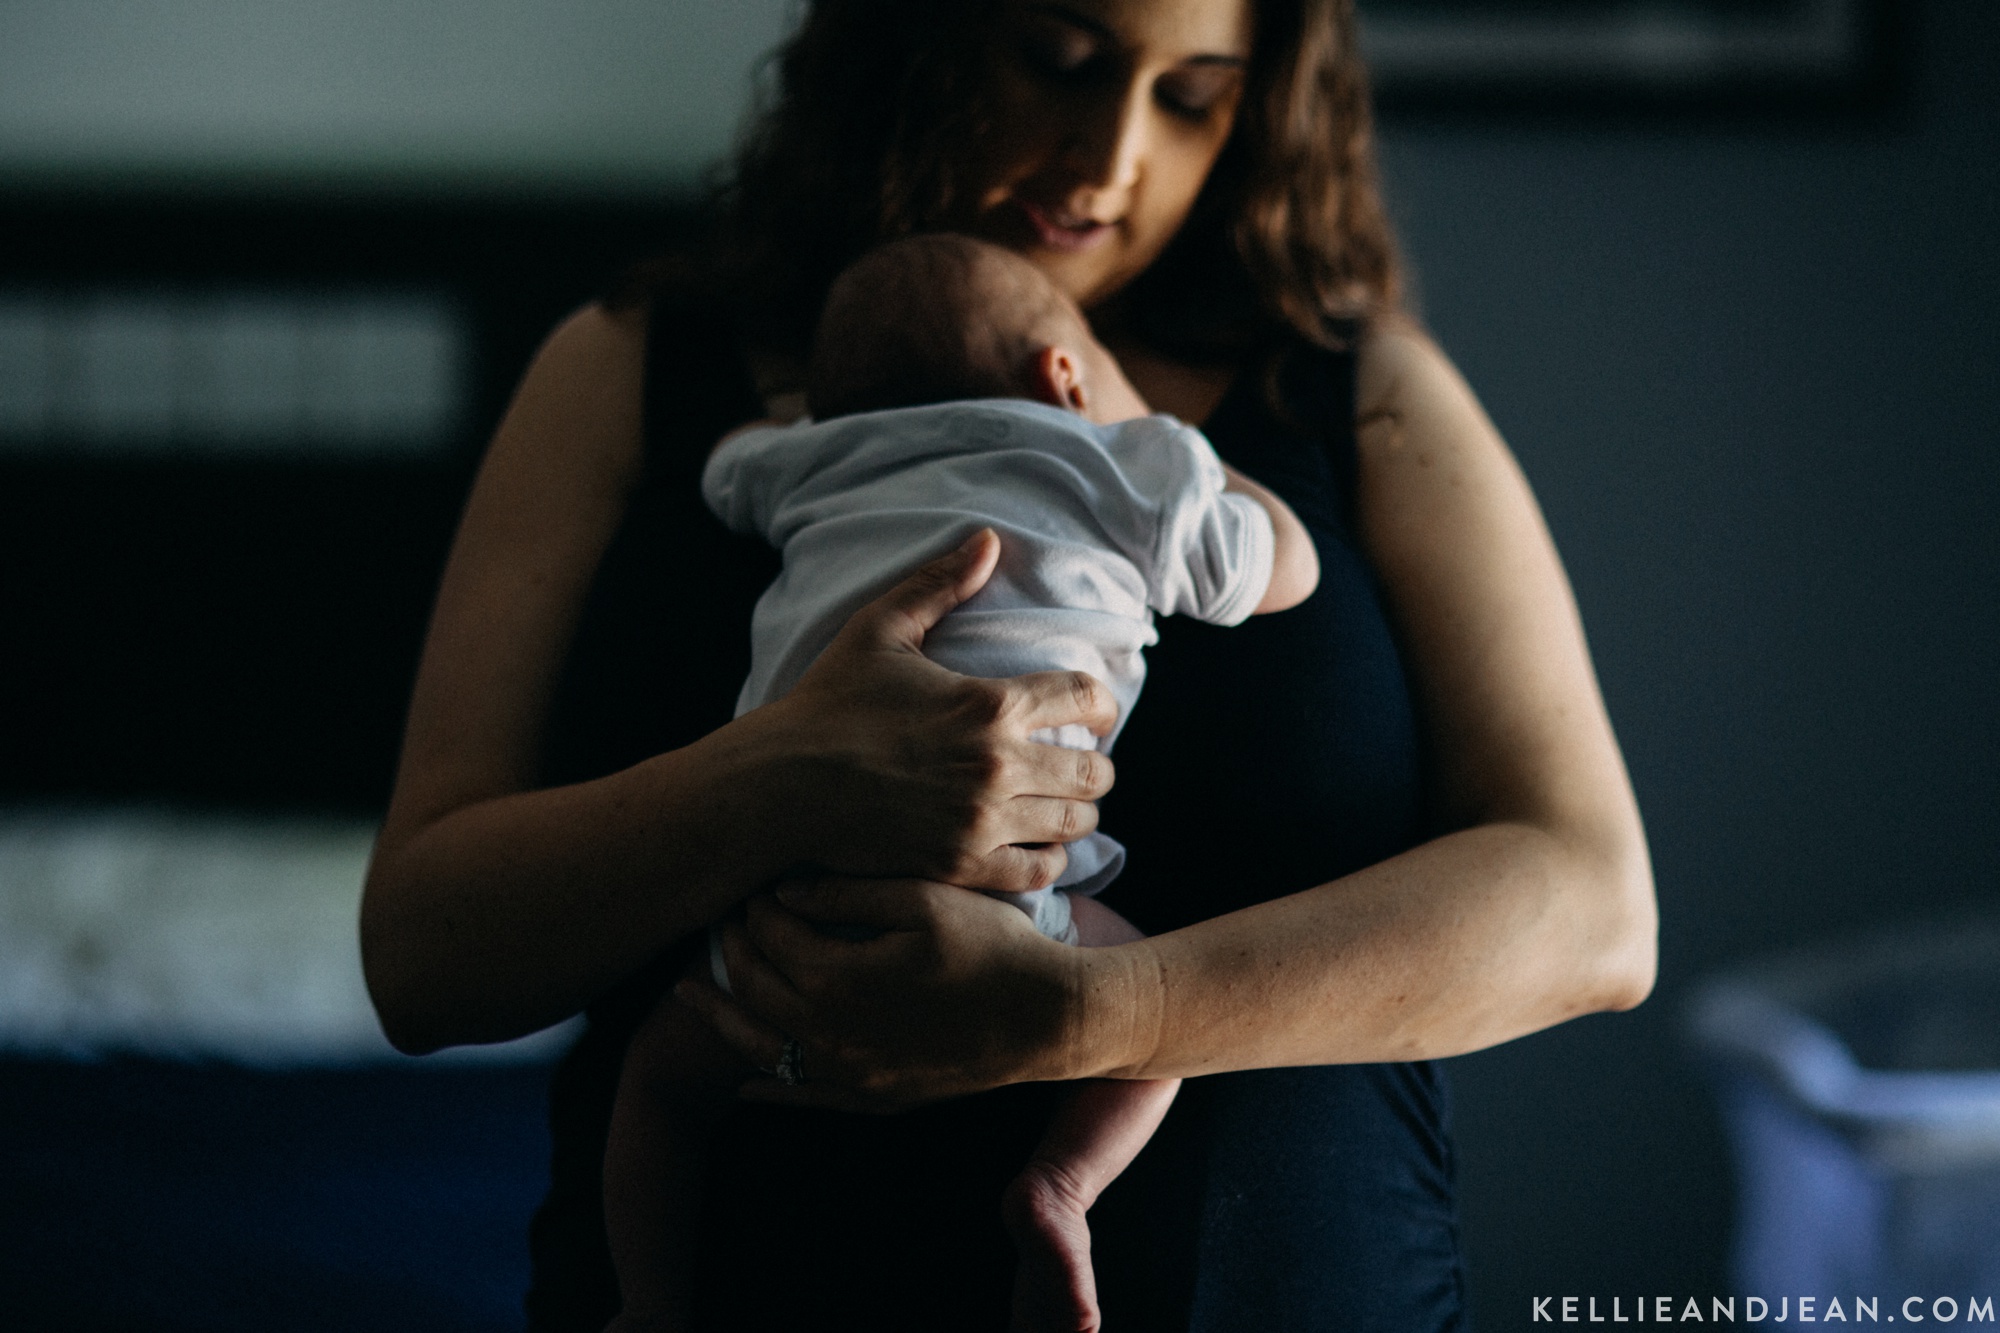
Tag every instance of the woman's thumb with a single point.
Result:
(936, 589)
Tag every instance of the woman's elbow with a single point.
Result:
(1626, 953)
(387, 972)
(401, 1021)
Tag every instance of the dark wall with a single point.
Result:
(243, 633)
(1754, 375)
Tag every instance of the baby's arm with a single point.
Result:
(1294, 561)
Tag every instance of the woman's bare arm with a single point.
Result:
(492, 910)
(1537, 908)
(489, 910)
(1540, 906)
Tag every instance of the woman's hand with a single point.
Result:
(889, 764)
(957, 995)
(495, 908)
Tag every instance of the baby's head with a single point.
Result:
(937, 317)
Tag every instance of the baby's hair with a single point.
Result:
(931, 318)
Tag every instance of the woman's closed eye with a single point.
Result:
(1066, 54)
(1197, 91)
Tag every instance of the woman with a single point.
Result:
(1387, 826)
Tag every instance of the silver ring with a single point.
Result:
(791, 1070)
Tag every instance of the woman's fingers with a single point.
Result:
(792, 949)
(1054, 770)
(1039, 819)
(1014, 868)
(755, 1040)
(761, 984)
(1059, 698)
(957, 993)
(763, 1015)
(904, 614)
(910, 767)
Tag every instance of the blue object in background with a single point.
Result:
(171, 1197)
(1861, 1088)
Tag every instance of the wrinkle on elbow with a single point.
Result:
(1630, 956)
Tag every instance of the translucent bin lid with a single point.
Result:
(1893, 1037)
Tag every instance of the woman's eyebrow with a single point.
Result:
(1076, 18)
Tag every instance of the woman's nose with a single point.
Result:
(1109, 147)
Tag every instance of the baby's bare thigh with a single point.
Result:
(676, 1053)
(1098, 927)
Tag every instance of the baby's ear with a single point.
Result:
(1057, 375)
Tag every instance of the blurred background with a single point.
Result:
(1723, 271)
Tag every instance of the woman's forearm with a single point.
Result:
(1472, 939)
(509, 914)
(492, 911)
(1540, 908)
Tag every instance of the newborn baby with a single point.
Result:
(954, 389)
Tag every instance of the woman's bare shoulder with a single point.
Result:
(597, 340)
(1424, 444)
(1398, 366)
(1485, 610)
(582, 396)
(547, 499)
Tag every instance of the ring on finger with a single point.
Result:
(791, 1070)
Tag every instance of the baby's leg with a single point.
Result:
(678, 1079)
(1092, 1139)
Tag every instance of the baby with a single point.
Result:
(954, 388)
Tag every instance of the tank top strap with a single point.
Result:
(1289, 423)
(1318, 388)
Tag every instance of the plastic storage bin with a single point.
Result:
(1861, 1088)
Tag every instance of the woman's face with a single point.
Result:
(1108, 115)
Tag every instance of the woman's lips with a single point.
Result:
(1058, 230)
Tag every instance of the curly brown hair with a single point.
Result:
(875, 102)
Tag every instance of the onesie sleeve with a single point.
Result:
(1211, 549)
(740, 482)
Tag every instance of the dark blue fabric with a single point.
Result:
(1261, 760)
(1280, 753)
(1289, 1199)
(139, 1194)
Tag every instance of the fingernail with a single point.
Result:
(972, 542)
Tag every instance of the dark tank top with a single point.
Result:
(1260, 760)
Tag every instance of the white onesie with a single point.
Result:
(1100, 526)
